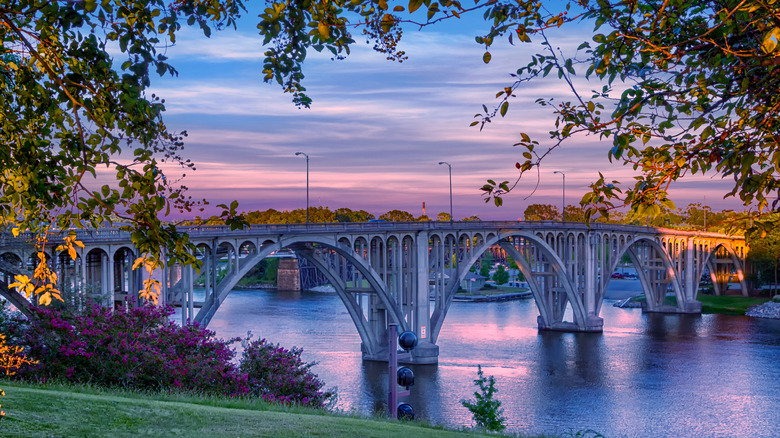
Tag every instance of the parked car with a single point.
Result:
(618, 275)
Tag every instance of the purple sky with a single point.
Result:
(377, 129)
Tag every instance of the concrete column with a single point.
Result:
(593, 323)
(426, 352)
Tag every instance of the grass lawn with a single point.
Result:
(65, 411)
(730, 305)
(727, 305)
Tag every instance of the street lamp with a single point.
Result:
(563, 212)
(307, 185)
(450, 170)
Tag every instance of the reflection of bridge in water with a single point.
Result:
(408, 272)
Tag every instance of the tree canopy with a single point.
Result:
(84, 142)
(687, 86)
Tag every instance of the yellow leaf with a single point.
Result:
(324, 30)
(72, 253)
(771, 40)
(78, 243)
(15, 232)
(45, 299)
(138, 262)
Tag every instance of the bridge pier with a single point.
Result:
(593, 324)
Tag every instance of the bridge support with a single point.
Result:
(408, 273)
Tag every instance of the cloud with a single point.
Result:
(376, 129)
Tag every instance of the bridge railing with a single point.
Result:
(114, 234)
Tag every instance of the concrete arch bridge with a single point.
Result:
(408, 272)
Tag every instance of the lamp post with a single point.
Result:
(450, 171)
(563, 211)
(307, 184)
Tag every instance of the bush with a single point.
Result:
(280, 375)
(485, 410)
(140, 349)
(776, 299)
(143, 349)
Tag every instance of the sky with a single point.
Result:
(377, 129)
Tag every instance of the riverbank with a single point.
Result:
(53, 410)
(769, 310)
(726, 305)
(501, 293)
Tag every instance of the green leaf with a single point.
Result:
(504, 108)
(486, 57)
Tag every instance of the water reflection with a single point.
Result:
(645, 375)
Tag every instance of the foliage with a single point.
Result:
(688, 86)
(279, 375)
(472, 218)
(501, 276)
(347, 215)
(11, 359)
(70, 108)
(764, 256)
(484, 269)
(574, 213)
(140, 348)
(485, 410)
(397, 216)
(541, 212)
(442, 217)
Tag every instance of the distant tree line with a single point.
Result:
(324, 215)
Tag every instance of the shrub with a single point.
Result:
(140, 349)
(485, 410)
(143, 349)
(776, 299)
(280, 375)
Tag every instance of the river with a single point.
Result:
(645, 375)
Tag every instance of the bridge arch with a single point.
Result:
(359, 256)
(717, 265)
(656, 269)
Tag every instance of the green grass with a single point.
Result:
(727, 305)
(78, 411)
(730, 305)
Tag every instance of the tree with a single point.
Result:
(347, 215)
(501, 276)
(443, 217)
(764, 256)
(574, 213)
(70, 108)
(541, 212)
(486, 410)
(687, 86)
(472, 218)
(397, 216)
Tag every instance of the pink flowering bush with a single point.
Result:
(140, 348)
(143, 349)
(280, 375)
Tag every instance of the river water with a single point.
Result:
(645, 375)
